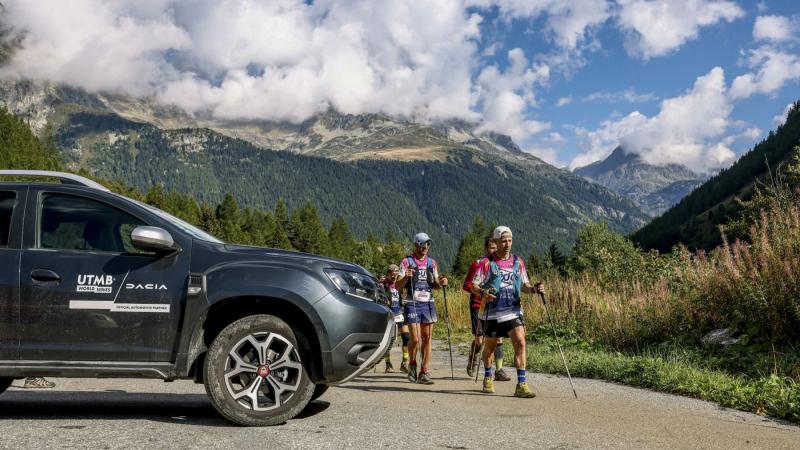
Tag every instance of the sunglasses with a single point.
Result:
(424, 244)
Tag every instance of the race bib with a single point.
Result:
(422, 296)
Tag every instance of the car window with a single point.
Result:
(7, 200)
(69, 222)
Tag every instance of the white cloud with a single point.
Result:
(687, 130)
(780, 119)
(506, 95)
(602, 141)
(564, 101)
(628, 95)
(656, 28)
(773, 68)
(568, 23)
(775, 29)
(277, 60)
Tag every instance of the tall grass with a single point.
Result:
(751, 286)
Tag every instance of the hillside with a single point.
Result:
(694, 221)
(653, 188)
(379, 173)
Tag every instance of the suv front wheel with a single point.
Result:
(254, 372)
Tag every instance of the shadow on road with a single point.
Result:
(408, 387)
(190, 409)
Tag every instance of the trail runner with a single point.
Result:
(477, 329)
(419, 276)
(390, 287)
(499, 281)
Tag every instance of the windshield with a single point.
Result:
(186, 227)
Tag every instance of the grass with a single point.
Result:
(672, 369)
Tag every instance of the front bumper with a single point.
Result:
(356, 349)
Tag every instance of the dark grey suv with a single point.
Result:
(94, 284)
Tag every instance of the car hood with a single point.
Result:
(310, 257)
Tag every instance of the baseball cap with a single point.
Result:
(498, 232)
(421, 238)
(393, 268)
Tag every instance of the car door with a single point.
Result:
(87, 294)
(12, 201)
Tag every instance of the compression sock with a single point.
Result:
(487, 372)
(405, 355)
(521, 375)
(498, 356)
(387, 359)
(406, 336)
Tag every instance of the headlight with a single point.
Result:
(353, 283)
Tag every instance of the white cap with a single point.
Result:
(499, 231)
(421, 238)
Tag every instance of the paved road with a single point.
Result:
(384, 411)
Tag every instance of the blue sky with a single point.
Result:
(695, 82)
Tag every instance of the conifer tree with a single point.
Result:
(229, 219)
(280, 236)
(208, 220)
(471, 246)
(308, 233)
(340, 239)
(21, 149)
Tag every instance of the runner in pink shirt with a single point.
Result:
(500, 279)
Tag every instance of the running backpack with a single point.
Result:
(414, 279)
(493, 280)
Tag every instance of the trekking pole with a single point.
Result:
(449, 340)
(552, 324)
(482, 333)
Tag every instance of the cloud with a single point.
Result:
(277, 60)
(687, 130)
(628, 95)
(780, 119)
(774, 29)
(567, 23)
(656, 28)
(506, 94)
(564, 101)
(772, 69)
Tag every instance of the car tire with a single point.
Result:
(5, 382)
(256, 374)
(318, 391)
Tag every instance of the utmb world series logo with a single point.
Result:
(101, 284)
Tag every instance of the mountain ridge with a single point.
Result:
(654, 188)
(346, 164)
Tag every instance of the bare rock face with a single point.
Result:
(654, 188)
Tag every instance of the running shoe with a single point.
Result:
(488, 385)
(412, 373)
(389, 367)
(523, 391)
(501, 375)
(38, 383)
(404, 366)
(424, 378)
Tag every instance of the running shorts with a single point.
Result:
(420, 312)
(495, 329)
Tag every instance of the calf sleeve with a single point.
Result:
(498, 356)
(406, 336)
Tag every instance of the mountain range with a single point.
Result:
(695, 220)
(653, 188)
(380, 173)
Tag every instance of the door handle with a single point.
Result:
(44, 276)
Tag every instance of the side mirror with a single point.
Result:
(153, 239)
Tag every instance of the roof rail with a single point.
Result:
(65, 178)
